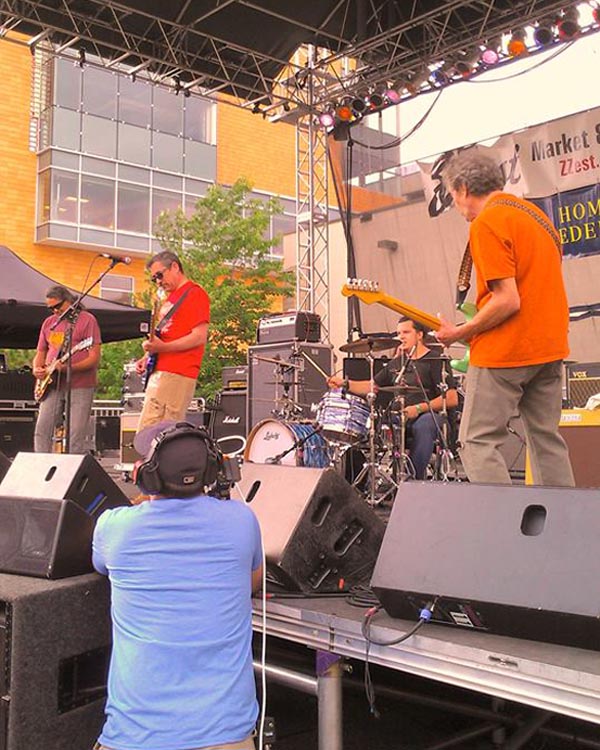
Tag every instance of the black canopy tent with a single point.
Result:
(23, 308)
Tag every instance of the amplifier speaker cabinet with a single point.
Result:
(318, 533)
(235, 378)
(583, 381)
(79, 478)
(289, 326)
(307, 384)
(516, 561)
(16, 430)
(16, 386)
(54, 651)
(228, 419)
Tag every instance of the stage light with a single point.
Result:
(491, 53)
(544, 32)
(416, 79)
(358, 106)
(375, 101)
(516, 45)
(466, 61)
(568, 25)
(392, 95)
(81, 56)
(343, 111)
(327, 119)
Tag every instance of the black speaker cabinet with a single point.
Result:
(44, 537)
(228, 417)
(16, 430)
(516, 561)
(318, 533)
(54, 650)
(306, 384)
(79, 478)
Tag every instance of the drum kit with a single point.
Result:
(343, 425)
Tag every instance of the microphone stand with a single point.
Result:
(71, 314)
(296, 444)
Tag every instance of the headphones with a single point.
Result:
(183, 460)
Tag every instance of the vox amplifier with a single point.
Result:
(583, 381)
(290, 326)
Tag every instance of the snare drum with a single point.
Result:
(343, 417)
(271, 437)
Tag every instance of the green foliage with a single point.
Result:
(110, 373)
(18, 358)
(224, 248)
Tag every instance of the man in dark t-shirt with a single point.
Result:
(421, 369)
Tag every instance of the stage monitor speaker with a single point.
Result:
(4, 465)
(307, 384)
(54, 651)
(44, 537)
(515, 561)
(79, 478)
(318, 533)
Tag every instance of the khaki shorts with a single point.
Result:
(168, 396)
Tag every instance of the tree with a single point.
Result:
(225, 247)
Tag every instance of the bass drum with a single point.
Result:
(272, 437)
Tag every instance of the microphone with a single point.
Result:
(116, 258)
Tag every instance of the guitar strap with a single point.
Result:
(163, 320)
(464, 274)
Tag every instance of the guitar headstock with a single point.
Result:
(365, 289)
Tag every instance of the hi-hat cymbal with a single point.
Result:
(366, 345)
(398, 388)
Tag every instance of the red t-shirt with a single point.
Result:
(192, 312)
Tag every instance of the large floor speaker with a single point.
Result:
(307, 384)
(54, 648)
(79, 478)
(318, 533)
(516, 561)
(46, 538)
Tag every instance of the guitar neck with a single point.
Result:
(408, 311)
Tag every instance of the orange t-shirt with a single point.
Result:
(507, 242)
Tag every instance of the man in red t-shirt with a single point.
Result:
(174, 355)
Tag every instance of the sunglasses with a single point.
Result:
(158, 276)
(55, 307)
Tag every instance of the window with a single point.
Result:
(167, 111)
(44, 197)
(66, 129)
(167, 152)
(100, 92)
(134, 144)
(135, 100)
(163, 200)
(132, 208)
(117, 288)
(198, 119)
(282, 225)
(97, 202)
(67, 84)
(65, 196)
(99, 136)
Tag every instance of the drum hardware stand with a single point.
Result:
(296, 444)
(371, 468)
(445, 459)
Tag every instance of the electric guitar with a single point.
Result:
(42, 384)
(152, 358)
(368, 292)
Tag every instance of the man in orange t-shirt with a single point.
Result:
(177, 352)
(519, 335)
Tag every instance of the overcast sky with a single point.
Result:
(549, 86)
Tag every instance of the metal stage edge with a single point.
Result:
(559, 679)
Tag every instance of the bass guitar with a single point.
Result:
(368, 292)
(42, 384)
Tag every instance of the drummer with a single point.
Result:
(422, 394)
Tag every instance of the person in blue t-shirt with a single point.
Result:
(182, 568)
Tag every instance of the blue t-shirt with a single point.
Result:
(181, 667)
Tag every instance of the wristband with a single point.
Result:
(419, 409)
(345, 384)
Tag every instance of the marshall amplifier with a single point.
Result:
(583, 381)
(289, 326)
(235, 378)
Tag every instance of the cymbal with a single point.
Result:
(398, 388)
(366, 345)
(279, 362)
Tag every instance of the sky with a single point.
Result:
(543, 87)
